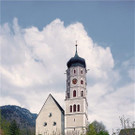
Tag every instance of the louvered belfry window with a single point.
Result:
(78, 108)
(74, 108)
(70, 108)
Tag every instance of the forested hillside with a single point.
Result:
(15, 120)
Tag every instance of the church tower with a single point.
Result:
(76, 105)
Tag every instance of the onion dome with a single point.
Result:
(76, 61)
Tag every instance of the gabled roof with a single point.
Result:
(57, 104)
(61, 109)
(128, 131)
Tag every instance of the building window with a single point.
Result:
(74, 108)
(81, 81)
(45, 124)
(74, 71)
(54, 123)
(81, 93)
(74, 93)
(70, 108)
(50, 114)
(81, 71)
(78, 108)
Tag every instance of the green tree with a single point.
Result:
(14, 128)
(96, 128)
(4, 125)
(103, 133)
(91, 130)
(99, 126)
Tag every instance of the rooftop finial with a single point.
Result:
(76, 47)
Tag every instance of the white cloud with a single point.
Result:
(131, 74)
(33, 63)
(108, 107)
(8, 101)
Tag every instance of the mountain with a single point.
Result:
(23, 117)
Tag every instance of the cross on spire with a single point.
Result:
(76, 46)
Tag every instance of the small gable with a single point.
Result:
(51, 104)
(50, 119)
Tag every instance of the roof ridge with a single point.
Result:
(50, 95)
(57, 104)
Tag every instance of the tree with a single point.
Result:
(103, 133)
(14, 128)
(97, 128)
(4, 126)
(91, 130)
(126, 124)
(1, 132)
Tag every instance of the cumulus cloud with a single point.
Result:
(6, 100)
(33, 63)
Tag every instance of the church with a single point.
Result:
(53, 119)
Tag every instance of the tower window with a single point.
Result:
(81, 81)
(74, 71)
(78, 108)
(74, 93)
(70, 108)
(81, 71)
(81, 93)
(74, 108)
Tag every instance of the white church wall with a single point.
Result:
(49, 114)
(75, 121)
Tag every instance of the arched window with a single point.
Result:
(74, 71)
(78, 108)
(74, 93)
(74, 108)
(81, 93)
(81, 71)
(81, 81)
(70, 108)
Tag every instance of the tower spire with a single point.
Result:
(76, 48)
(76, 96)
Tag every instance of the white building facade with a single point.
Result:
(50, 120)
(76, 118)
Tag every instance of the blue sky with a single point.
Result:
(37, 39)
(108, 23)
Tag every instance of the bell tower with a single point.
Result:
(76, 118)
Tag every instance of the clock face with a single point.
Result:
(74, 81)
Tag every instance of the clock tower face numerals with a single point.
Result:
(74, 81)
